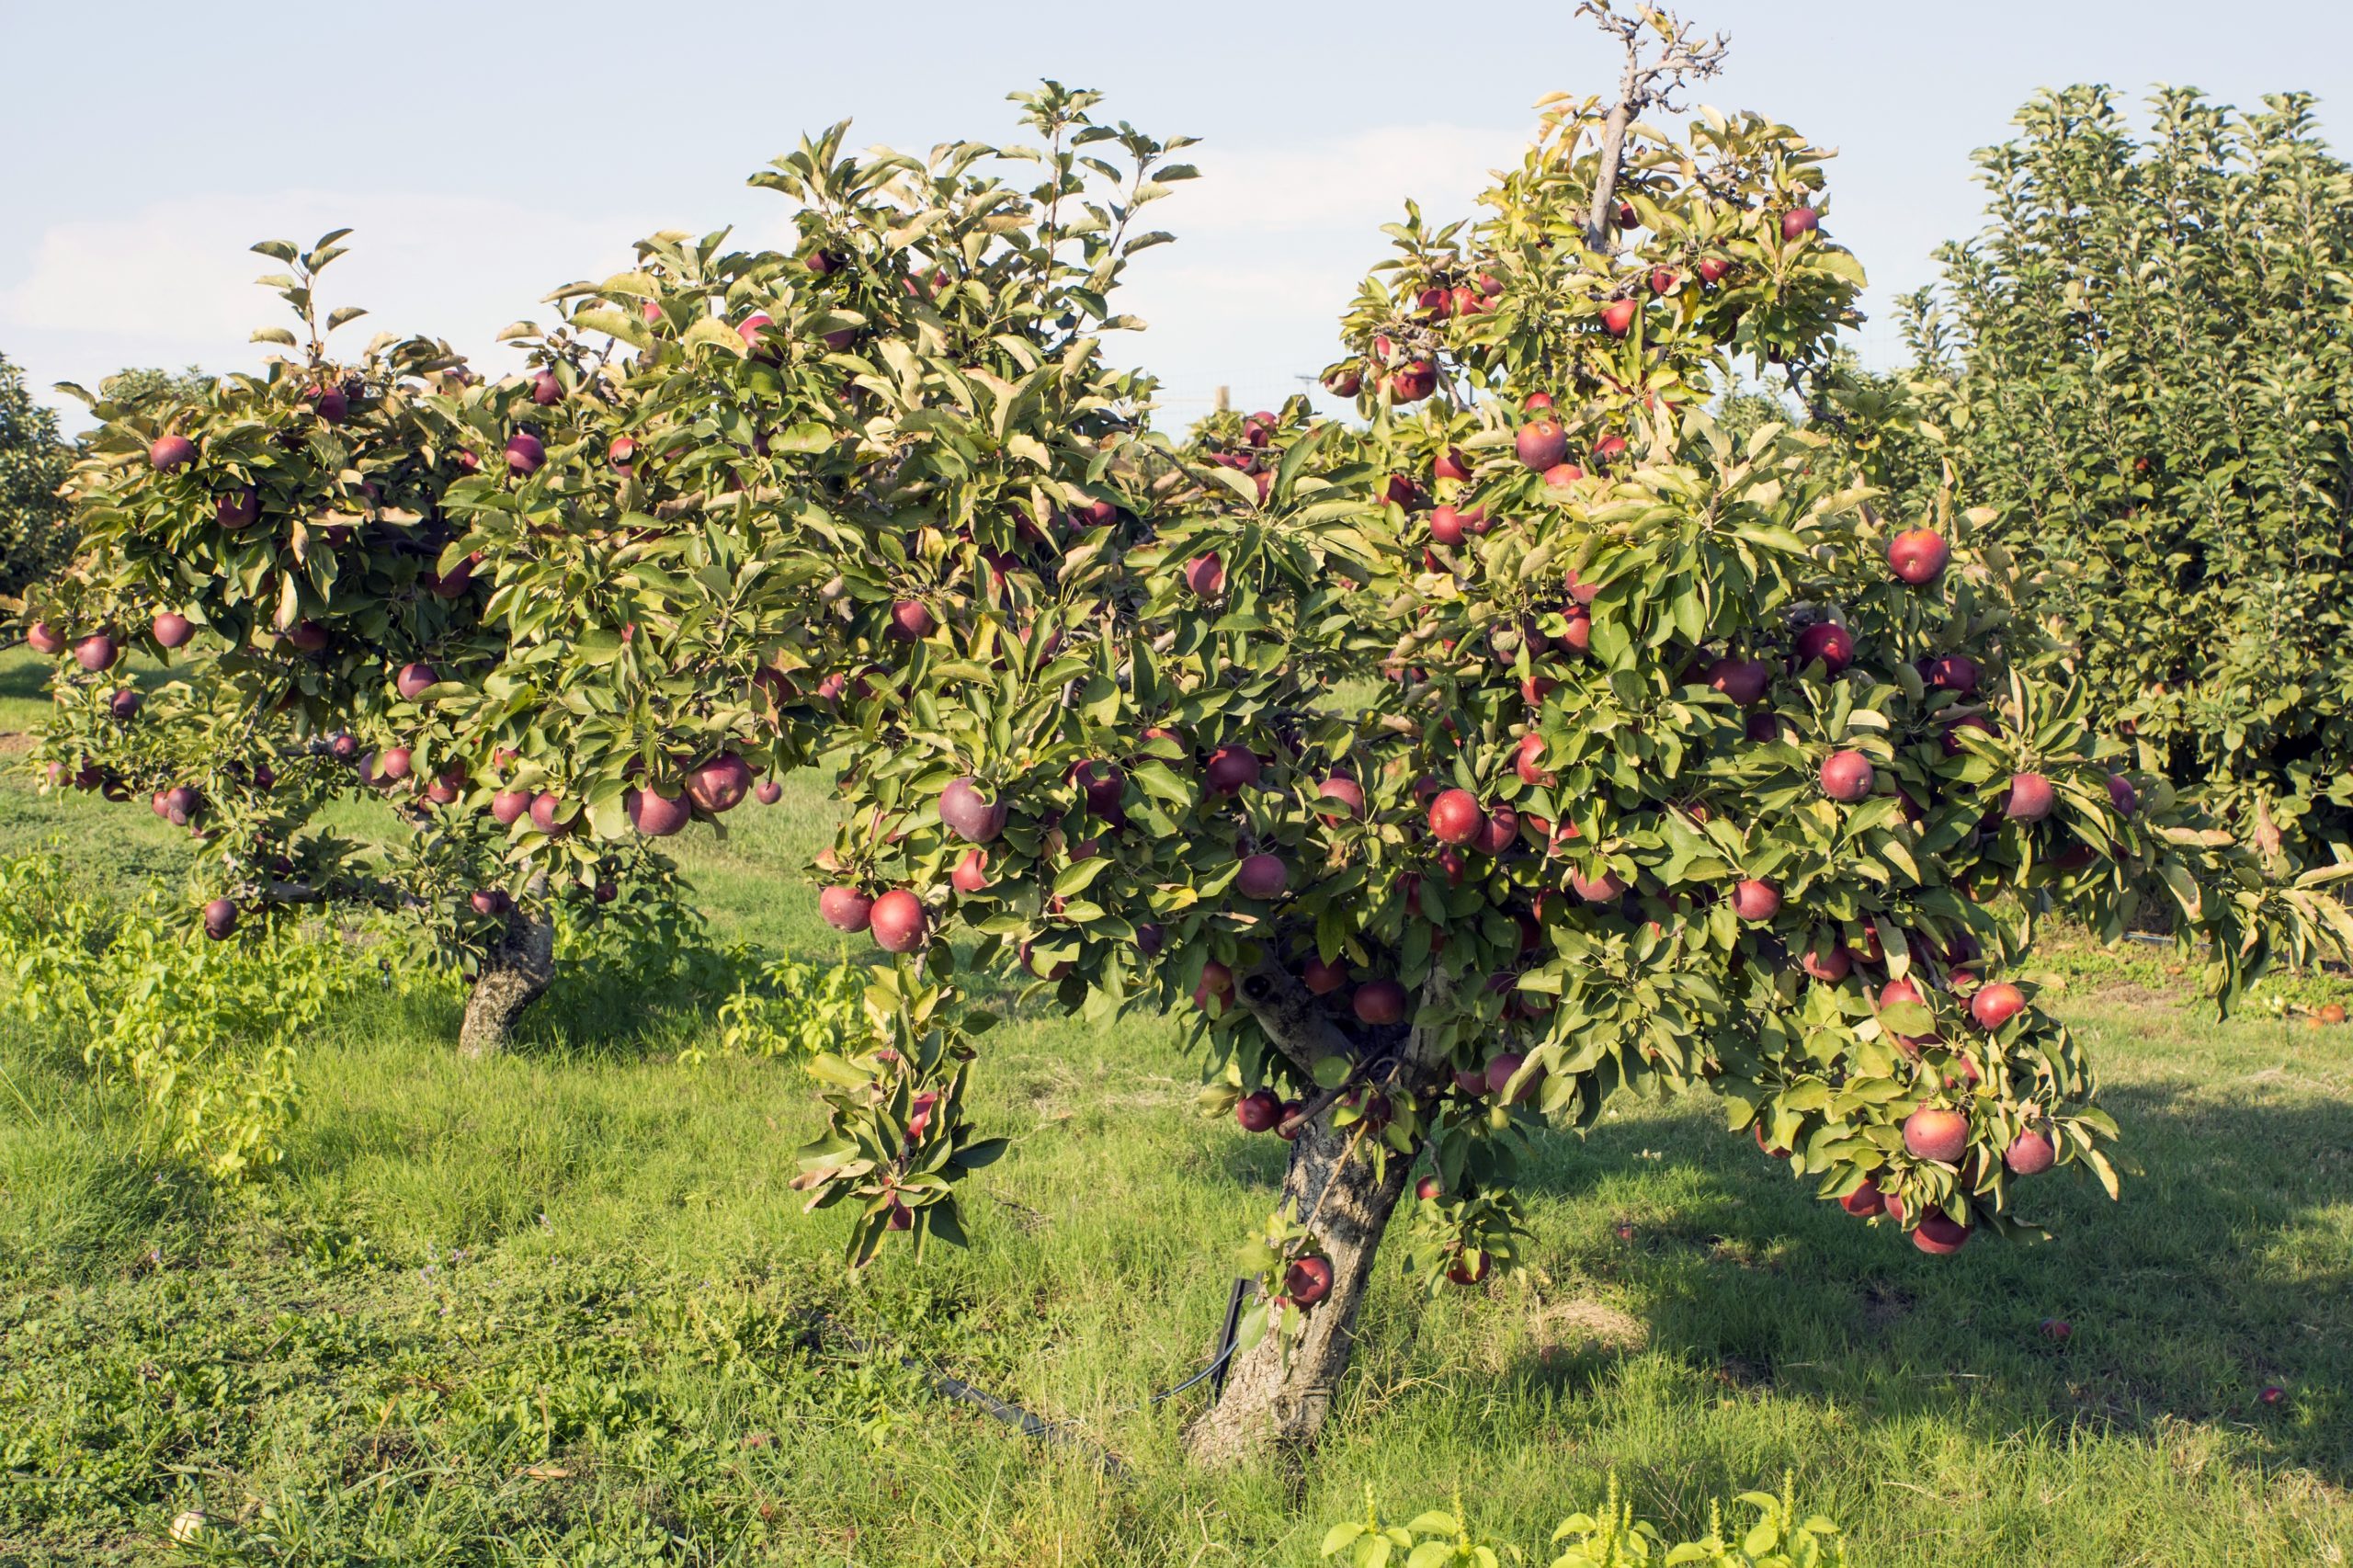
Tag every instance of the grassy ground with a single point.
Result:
(554, 1309)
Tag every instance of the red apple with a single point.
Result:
(45, 640)
(1500, 1071)
(414, 679)
(2059, 1329)
(1455, 817)
(1864, 1202)
(1205, 574)
(332, 406)
(1756, 899)
(1321, 979)
(1832, 966)
(911, 621)
(1618, 316)
(1933, 1132)
(1501, 832)
(1307, 1281)
(1529, 763)
(1953, 672)
(719, 783)
(1230, 768)
(236, 509)
(220, 919)
(1827, 641)
(1743, 680)
(2122, 795)
(2030, 798)
(658, 815)
(1800, 220)
(1919, 555)
(524, 454)
(547, 814)
(1415, 383)
(1258, 1110)
(171, 452)
(1262, 877)
(96, 652)
(509, 806)
(845, 908)
(1380, 1002)
(2030, 1153)
(1468, 1270)
(898, 921)
(1996, 1005)
(1429, 1189)
(1345, 796)
(1541, 444)
(971, 815)
(1940, 1236)
(1561, 476)
(124, 704)
(1846, 777)
(546, 390)
(1607, 888)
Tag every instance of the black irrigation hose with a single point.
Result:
(1062, 1433)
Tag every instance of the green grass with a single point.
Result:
(556, 1308)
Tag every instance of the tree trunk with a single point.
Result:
(512, 977)
(1267, 1403)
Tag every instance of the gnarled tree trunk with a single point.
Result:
(1269, 1403)
(512, 977)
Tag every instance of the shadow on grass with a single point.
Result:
(2213, 1280)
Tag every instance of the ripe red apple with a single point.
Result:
(899, 922)
(1953, 672)
(658, 815)
(2059, 1329)
(1541, 444)
(1626, 217)
(1216, 979)
(393, 764)
(1455, 817)
(1864, 1202)
(1501, 1069)
(1608, 450)
(1345, 796)
(96, 652)
(236, 509)
(547, 809)
(1105, 786)
(1713, 269)
(1289, 1124)
(1451, 464)
(124, 704)
(719, 783)
(1933, 1132)
(1919, 555)
(1262, 877)
(1343, 382)
(911, 621)
(1618, 316)
(2272, 1395)
(332, 406)
(453, 584)
(1205, 574)
(1230, 768)
(1258, 1110)
(1756, 899)
(1743, 680)
(509, 806)
(1846, 777)
(1664, 279)
(969, 814)
(45, 640)
(1832, 966)
(1607, 888)
(220, 919)
(414, 679)
(1468, 1270)
(342, 746)
(1940, 1236)
(181, 804)
(1429, 1189)
(845, 908)
(1800, 220)
(1321, 979)
(491, 901)
(547, 391)
(524, 454)
(1307, 1281)
(1996, 1005)
(1448, 527)
(1415, 383)
(2122, 795)
(1561, 476)
(1529, 763)
(621, 452)
(971, 871)
(1501, 832)
(1830, 644)
(446, 785)
(1380, 1002)
(2030, 1153)
(2030, 798)
(307, 636)
(171, 452)
(1951, 740)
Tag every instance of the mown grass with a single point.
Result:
(561, 1307)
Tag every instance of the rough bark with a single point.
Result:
(1271, 1400)
(1269, 1403)
(512, 977)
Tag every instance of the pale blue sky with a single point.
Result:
(488, 152)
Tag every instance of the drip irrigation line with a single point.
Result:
(1060, 1433)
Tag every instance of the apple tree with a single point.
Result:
(1532, 744)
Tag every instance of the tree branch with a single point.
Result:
(1684, 56)
(1290, 1017)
